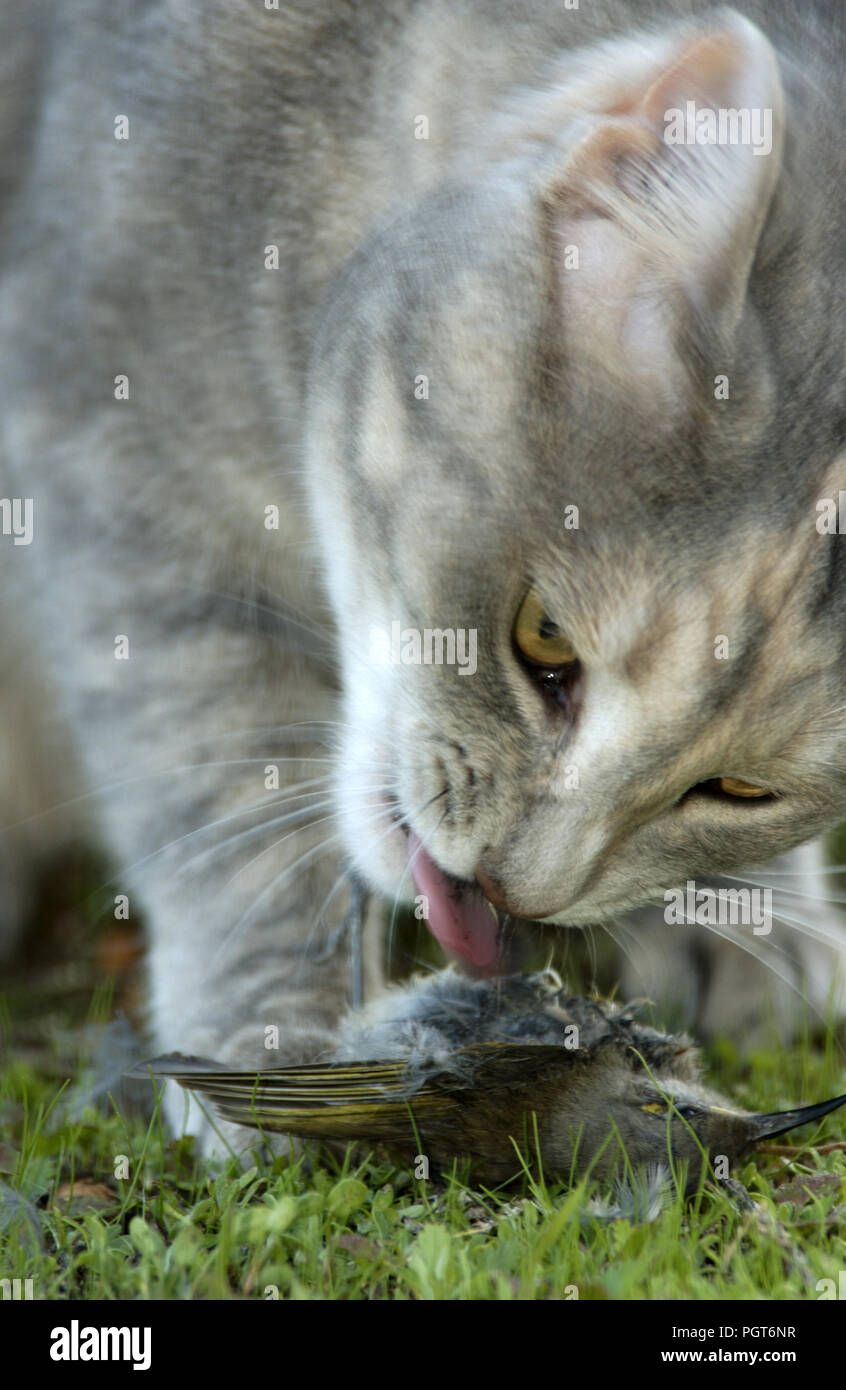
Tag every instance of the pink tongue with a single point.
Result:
(461, 918)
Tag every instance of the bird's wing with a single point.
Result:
(508, 1064)
(379, 1100)
(172, 1064)
(368, 1100)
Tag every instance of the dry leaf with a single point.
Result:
(84, 1195)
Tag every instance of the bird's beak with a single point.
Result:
(780, 1121)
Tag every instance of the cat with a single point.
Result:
(413, 463)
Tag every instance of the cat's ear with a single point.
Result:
(659, 206)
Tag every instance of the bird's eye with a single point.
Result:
(657, 1107)
(733, 786)
(687, 1112)
(538, 638)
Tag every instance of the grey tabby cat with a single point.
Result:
(376, 318)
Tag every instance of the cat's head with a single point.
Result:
(569, 430)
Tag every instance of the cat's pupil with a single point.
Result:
(548, 630)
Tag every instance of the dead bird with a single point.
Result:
(452, 1066)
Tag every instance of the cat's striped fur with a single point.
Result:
(252, 387)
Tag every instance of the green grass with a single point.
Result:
(97, 1202)
(324, 1228)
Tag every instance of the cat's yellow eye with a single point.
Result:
(654, 1108)
(733, 786)
(539, 639)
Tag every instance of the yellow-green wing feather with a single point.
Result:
(367, 1100)
(371, 1100)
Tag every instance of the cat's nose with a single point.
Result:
(502, 898)
(496, 893)
(493, 890)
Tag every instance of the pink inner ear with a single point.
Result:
(708, 72)
(662, 225)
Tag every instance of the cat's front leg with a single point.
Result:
(210, 754)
